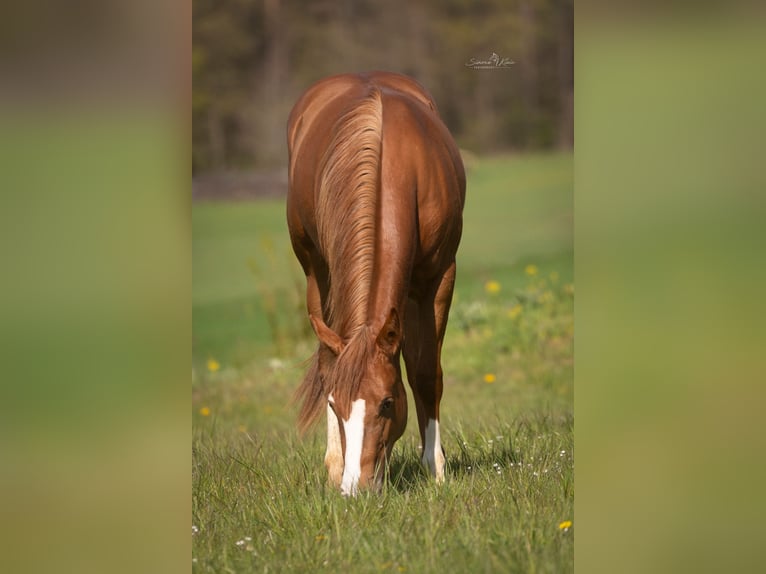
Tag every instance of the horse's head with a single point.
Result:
(367, 405)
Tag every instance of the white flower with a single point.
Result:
(194, 529)
(276, 364)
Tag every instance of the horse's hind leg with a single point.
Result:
(425, 324)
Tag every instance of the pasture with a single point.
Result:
(260, 503)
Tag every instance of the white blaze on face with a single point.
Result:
(354, 430)
(433, 456)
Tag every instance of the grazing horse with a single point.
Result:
(374, 209)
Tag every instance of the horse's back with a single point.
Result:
(312, 118)
(345, 88)
(420, 165)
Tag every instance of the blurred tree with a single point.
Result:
(252, 58)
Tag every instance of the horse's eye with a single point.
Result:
(386, 406)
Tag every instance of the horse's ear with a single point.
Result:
(390, 335)
(326, 335)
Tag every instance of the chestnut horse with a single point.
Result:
(374, 210)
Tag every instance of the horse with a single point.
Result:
(374, 212)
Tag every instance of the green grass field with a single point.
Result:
(260, 502)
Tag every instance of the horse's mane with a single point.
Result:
(342, 378)
(345, 213)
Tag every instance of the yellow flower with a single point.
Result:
(205, 411)
(492, 287)
(514, 311)
(242, 428)
(554, 276)
(531, 270)
(213, 365)
(320, 537)
(490, 378)
(569, 289)
(566, 525)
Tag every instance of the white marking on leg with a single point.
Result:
(333, 458)
(433, 456)
(354, 429)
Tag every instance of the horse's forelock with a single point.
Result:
(342, 377)
(349, 369)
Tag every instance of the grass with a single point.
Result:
(260, 502)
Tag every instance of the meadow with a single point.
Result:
(260, 502)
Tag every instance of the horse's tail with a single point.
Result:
(346, 205)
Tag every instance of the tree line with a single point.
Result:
(501, 71)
